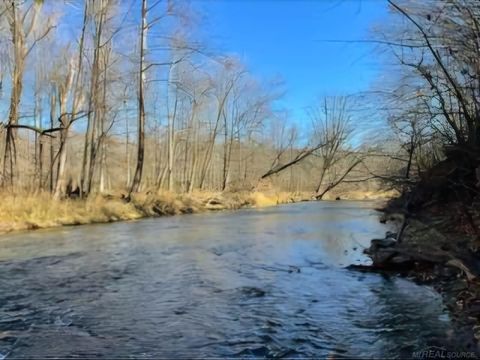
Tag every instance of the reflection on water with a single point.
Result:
(252, 283)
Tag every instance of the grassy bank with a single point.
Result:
(23, 211)
(36, 211)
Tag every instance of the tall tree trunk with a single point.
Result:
(225, 152)
(411, 150)
(320, 181)
(89, 141)
(18, 40)
(137, 178)
(37, 113)
(210, 146)
(67, 119)
(171, 145)
(127, 149)
(53, 102)
(194, 161)
(62, 164)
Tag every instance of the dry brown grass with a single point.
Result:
(272, 198)
(24, 211)
(33, 211)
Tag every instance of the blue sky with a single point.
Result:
(281, 37)
(285, 38)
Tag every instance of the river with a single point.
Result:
(251, 283)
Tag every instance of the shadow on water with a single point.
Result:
(254, 283)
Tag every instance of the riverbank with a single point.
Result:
(39, 211)
(436, 246)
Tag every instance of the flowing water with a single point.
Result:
(251, 283)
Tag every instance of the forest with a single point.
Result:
(111, 97)
(137, 102)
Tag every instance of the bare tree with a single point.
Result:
(66, 120)
(25, 33)
(228, 76)
(137, 178)
(332, 126)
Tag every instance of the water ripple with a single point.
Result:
(251, 284)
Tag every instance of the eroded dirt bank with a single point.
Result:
(437, 246)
